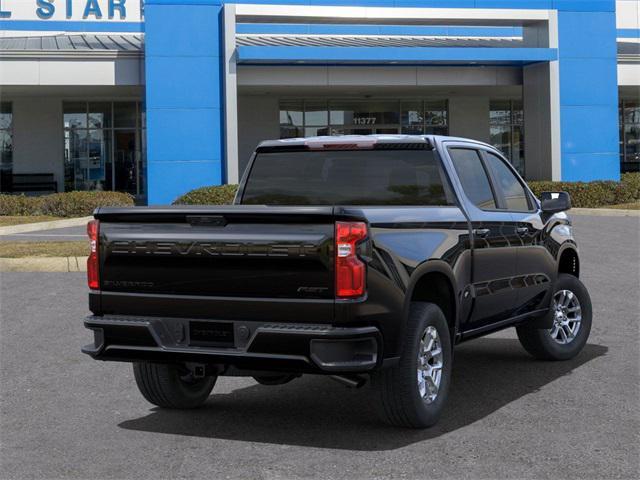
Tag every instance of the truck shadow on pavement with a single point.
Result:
(318, 412)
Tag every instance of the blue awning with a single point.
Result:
(322, 55)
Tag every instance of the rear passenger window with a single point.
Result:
(515, 198)
(473, 177)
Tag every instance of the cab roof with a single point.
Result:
(357, 141)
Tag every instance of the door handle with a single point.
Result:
(522, 231)
(481, 232)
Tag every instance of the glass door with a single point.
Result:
(126, 162)
(104, 147)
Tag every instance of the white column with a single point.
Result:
(230, 95)
(38, 138)
(554, 94)
(541, 98)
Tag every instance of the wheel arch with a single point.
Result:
(569, 260)
(433, 282)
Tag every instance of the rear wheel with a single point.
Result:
(172, 386)
(571, 323)
(413, 393)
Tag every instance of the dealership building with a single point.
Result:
(159, 97)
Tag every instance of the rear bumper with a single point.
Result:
(288, 347)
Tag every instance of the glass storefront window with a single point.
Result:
(6, 146)
(500, 112)
(364, 113)
(412, 114)
(362, 117)
(501, 138)
(6, 116)
(99, 115)
(75, 115)
(124, 114)
(291, 119)
(316, 114)
(104, 147)
(629, 136)
(435, 113)
(517, 112)
(436, 130)
(506, 130)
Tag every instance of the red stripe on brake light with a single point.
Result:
(93, 262)
(350, 270)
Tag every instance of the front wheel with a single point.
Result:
(413, 393)
(172, 386)
(571, 323)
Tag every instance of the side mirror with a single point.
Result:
(554, 202)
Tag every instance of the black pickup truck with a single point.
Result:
(357, 257)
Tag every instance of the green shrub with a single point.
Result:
(583, 194)
(69, 204)
(630, 184)
(79, 204)
(19, 205)
(218, 195)
(594, 194)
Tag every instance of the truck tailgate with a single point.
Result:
(209, 262)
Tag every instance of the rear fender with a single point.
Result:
(430, 266)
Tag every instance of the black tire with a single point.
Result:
(399, 400)
(171, 386)
(274, 379)
(541, 344)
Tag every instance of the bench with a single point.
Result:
(33, 182)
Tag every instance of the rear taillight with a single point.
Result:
(350, 270)
(93, 262)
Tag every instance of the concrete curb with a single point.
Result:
(604, 212)
(44, 264)
(37, 227)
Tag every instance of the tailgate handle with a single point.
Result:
(208, 220)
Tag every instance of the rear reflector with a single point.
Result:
(350, 270)
(93, 262)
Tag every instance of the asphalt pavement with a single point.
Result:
(63, 415)
(66, 234)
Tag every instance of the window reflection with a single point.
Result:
(630, 136)
(506, 130)
(6, 146)
(104, 147)
(291, 119)
(362, 117)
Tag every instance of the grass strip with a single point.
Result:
(43, 249)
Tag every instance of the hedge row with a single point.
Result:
(69, 204)
(221, 195)
(77, 204)
(595, 194)
(583, 194)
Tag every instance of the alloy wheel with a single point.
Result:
(567, 317)
(430, 363)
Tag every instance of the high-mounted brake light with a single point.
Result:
(346, 142)
(93, 262)
(350, 270)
